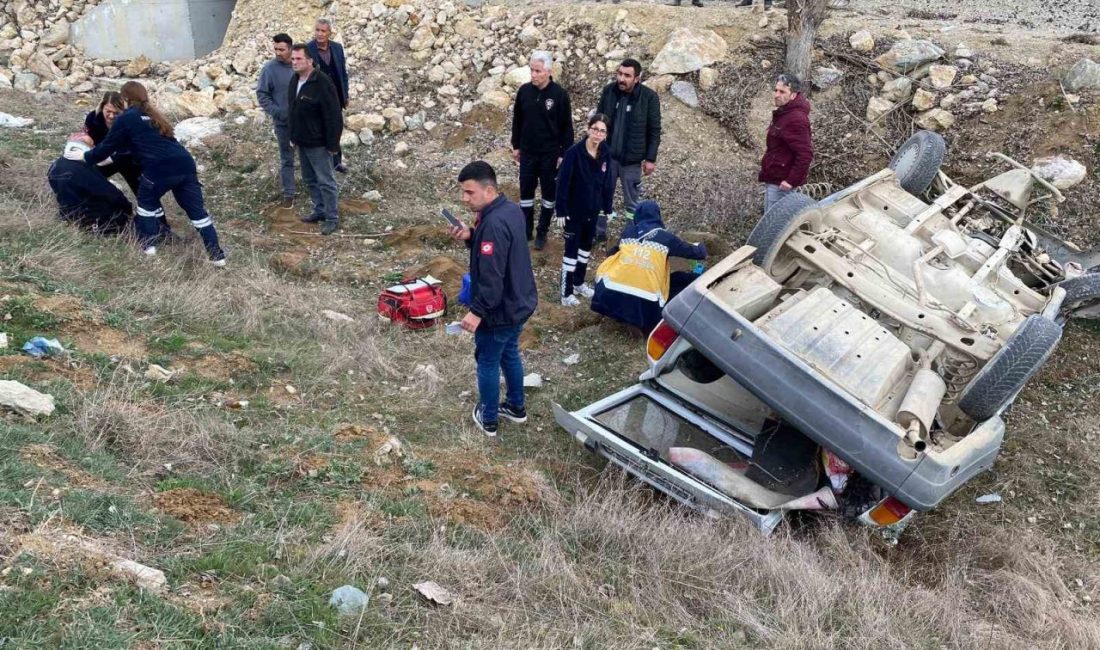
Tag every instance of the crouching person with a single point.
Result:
(502, 293)
(84, 195)
(634, 282)
(166, 167)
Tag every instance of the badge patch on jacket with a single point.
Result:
(549, 103)
(487, 248)
(603, 168)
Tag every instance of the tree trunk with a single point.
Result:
(803, 19)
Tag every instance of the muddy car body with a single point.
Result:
(857, 353)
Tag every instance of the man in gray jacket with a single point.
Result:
(271, 91)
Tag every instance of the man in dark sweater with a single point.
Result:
(328, 57)
(84, 196)
(503, 294)
(634, 133)
(271, 91)
(542, 129)
(315, 128)
(790, 148)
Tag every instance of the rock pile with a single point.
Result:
(921, 78)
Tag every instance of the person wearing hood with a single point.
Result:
(84, 195)
(790, 149)
(585, 191)
(634, 282)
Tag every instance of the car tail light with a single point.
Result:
(660, 340)
(889, 512)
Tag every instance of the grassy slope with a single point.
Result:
(255, 514)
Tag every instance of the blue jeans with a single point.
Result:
(497, 349)
(773, 194)
(319, 178)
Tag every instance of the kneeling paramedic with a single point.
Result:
(84, 195)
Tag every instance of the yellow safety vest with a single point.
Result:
(640, 268)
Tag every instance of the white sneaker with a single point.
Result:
(584, 291)
(219, 263)
(150, 251)
(570, 301)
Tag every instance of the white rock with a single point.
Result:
(159, 374)
(401, 148)
(923, 100)
(374, 196)
(898, 90)
(13, 122)
(3, 340)
(533, 380)
(942, 76)
(516, 77)
(936, 119)
(685, 92)
(862, 41)
(194, 130)
(1083, 75)
(197, 103)
(337, 316)
(349, 139)
(826, 76)
(572, 359)
(708, 78)
(530, 35)
(25, 400)
(907, 55)
(877, 107)
(1062, 172)
(143, 576)
(422, 38)
(990, 105)
(689, 49)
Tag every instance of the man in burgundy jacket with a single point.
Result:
(790, 148)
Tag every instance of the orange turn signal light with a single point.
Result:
(889, 512)
(660, 340)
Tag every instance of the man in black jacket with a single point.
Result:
(633, 134)
(502, 294)
(542, 129)
(315, 128)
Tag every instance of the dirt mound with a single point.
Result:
(416, 238)
(292, 262)
(444, 269)
(94, 337)
(194, 506)
(355, 207)
(221, 367)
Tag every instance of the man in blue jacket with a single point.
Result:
(328, 56)
(503, 294)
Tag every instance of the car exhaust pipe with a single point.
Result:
(918, 408)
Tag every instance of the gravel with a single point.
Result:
(1060, 17)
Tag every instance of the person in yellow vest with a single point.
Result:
(634, 282)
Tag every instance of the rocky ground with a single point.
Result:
(253, 453)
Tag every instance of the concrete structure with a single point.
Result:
(163, 30)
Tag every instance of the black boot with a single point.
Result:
(696, 3)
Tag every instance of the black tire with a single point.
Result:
(917, 162)
(1007, 372)
(1081, 291)
(777, 225)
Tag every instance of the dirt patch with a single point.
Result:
(61, 305)
(417, 238)
(221, 367)
(286, 223)
(473, 491)
(293, 262)
(46, 457)
(444, 269)
(194, 507)
(40, 370)
(355, 207)
(92, 337)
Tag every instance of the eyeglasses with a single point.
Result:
(595, 130)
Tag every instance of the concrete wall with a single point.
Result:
(163, 30)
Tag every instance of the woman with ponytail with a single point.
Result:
(166, 167)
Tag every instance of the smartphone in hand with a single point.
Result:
(453, 220)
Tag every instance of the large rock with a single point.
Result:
(923, 100)
(395, 119)
(1062, 172)
(57, 35)
(936, 119)
(137, 67)
(516, 77)
(898, 90)
(41, 65)
(26, 81)
(197, 103)
(5, 81)
(685, 92)
(422, 38)
(237, 101)
(496, 98)
(689, 49)
(349, 139)
(862, 41)
(826, 76)
(1084, 75)
(877, 107)
(244, 61)
(372, 122)
(194, 130)
(907, 55)
(24, 400)
(942, 77)
(530, 35)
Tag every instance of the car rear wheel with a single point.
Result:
(917, 162)
(1082, 295)
(1007, 372)
(785, 217)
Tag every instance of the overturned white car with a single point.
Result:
(856, 354)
